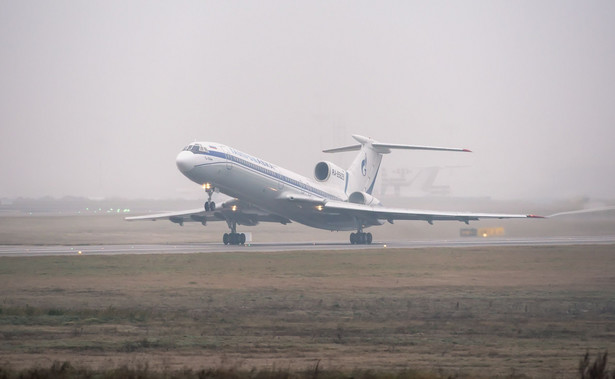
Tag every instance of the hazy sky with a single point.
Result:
(98, 97)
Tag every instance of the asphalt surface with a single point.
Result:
(54, 250)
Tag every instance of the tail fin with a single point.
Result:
(363, 171)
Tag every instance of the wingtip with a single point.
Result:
(467, 150)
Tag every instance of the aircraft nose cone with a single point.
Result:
(184, 161)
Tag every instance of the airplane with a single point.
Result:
(336, 199)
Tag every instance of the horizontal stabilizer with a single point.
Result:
(343, 149)
(385, 148)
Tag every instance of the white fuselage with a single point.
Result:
(262, 184)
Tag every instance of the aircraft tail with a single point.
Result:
(363, 170)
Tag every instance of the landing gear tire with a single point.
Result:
(360, 238)
(210, 206)
(234, 238)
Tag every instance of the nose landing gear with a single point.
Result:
(209, 205)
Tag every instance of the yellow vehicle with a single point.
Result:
(482, 232)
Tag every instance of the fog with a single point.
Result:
(98, 97)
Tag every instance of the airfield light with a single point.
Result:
(79, 252)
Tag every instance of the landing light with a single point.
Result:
(319, 207)
(207, 186)
(234, 208)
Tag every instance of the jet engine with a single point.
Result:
(329, 173)
(363, 198)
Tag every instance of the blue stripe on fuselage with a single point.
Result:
(269, 173)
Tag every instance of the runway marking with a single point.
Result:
(51, 250)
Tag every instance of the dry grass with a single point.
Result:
(65, 370)
(474, 311)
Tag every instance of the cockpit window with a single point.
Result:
(195, 148)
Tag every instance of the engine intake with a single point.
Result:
(329, 172)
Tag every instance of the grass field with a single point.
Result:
(470, 311)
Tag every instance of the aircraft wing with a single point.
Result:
(582, 211)
(374, 213)
(232, 210)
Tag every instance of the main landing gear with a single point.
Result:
(360, 238)
(233, 238)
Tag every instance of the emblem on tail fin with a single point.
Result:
(364, 165)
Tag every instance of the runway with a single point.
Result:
(55, 250)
